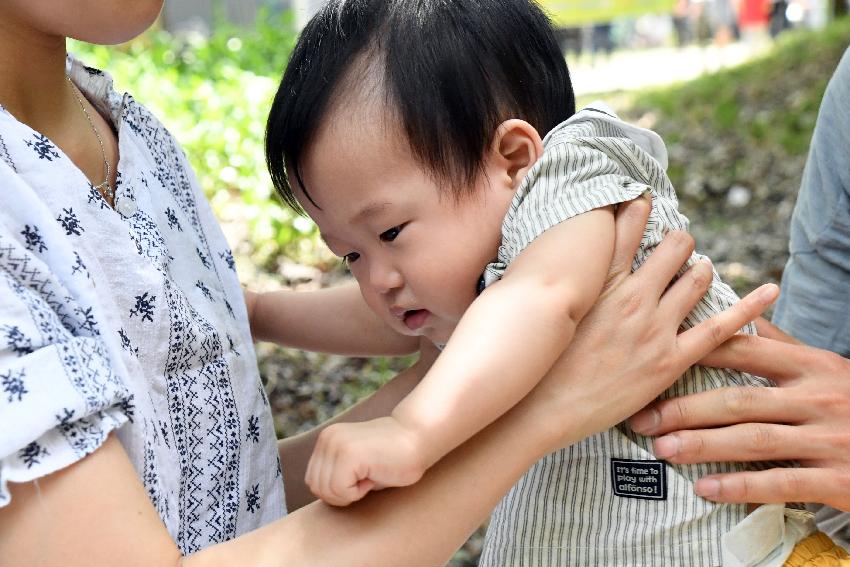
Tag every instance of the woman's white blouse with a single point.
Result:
(129, 320)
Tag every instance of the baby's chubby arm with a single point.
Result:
(334, 320)
(511, 335)
(505, 343)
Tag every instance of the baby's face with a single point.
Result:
(416, 252)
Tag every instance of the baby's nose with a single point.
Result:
(385, 278)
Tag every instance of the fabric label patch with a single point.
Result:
(639, 479)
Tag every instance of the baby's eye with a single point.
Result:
(391, 234)
(350, 258)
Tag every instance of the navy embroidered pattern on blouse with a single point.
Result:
(128, 321)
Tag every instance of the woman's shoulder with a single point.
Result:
(127, 116)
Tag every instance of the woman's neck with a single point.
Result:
(33, 86)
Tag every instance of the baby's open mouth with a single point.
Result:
(415, 318)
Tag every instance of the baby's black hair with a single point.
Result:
(451, 71)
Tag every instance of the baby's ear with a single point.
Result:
(516, 147)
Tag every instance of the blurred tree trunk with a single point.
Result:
(200, 14)
(187, 14)
(839, 8)
(243, 12)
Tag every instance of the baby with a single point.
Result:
(410, 131)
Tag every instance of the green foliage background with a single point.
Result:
(214, 94)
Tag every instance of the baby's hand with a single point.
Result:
(350, 459)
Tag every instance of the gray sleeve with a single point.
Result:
(816, 281)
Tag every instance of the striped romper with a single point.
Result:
(607, 500)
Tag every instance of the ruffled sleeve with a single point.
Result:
(59, 394)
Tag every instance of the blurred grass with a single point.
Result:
(761, 101)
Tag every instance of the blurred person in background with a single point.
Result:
(753, 16)
(722, 18)
(778, 19)
(570, 40)
(601, 39)
(683, 22)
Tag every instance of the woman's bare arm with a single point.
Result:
(334, 320)
(95, 512)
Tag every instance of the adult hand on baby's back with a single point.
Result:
(806, 418)
(627, 350)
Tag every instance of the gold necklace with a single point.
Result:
(104, 188)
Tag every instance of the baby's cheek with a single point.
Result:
(463, 299)
(374, 302)
(440, 334)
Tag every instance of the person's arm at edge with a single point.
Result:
(805, 418)
(333, 320)
(97, 513)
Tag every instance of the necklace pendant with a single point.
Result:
(105, 190)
